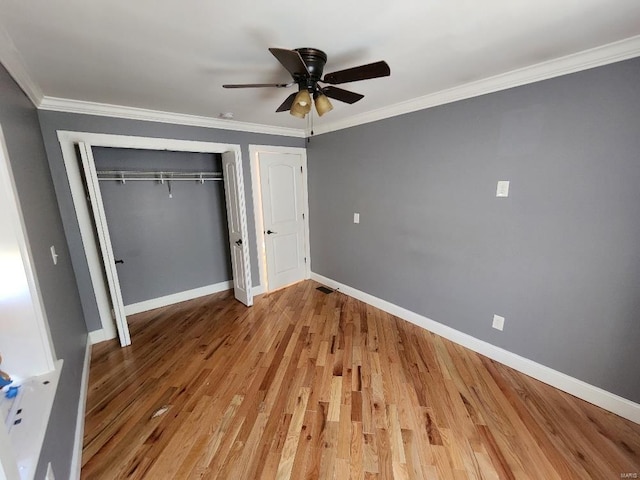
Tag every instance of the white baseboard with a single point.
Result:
(176, 298)
(257, 290)
(76, 460)
(98, 336)
(592, 394)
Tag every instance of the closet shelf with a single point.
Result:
(136, 175)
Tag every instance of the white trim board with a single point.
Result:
(592, 394)
(165, 300)
(76, 459)
(144, 143)
(595, 57)
(134, 113)
(257, 290)
(98, 336)
(12, 60)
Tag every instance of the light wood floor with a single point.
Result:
(307, 385)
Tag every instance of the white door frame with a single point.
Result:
(28, 348)
(254, 151)
(95, 260)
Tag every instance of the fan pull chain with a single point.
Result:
(310, 125)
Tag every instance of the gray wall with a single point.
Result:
(57, 283)
(50, 122)
(559, 258)
(168, 245)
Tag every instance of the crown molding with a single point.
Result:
(595, 57)
(133, 113)
(12, 61)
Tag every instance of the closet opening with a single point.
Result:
(167, 221)
(161, 220)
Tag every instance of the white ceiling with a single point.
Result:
(174, 56)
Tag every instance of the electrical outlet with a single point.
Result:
(503, 188)
(356, 218)
(498, 322)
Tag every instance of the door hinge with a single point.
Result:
(305, 259)
(303, 216)
(300, 168)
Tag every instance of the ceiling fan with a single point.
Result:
(305, 66)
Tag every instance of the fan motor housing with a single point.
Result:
(315, 60)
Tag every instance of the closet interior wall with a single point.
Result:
(170, 240)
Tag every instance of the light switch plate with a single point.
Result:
(498, 322)
(54, 255)
(356, 218)
(503, 188)
(49, 475)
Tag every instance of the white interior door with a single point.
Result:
(283, 213)
(105, 243)
(237, 222)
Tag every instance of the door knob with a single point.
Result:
(269, 232)
(119, 261)
(239, 242)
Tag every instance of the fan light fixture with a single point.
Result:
(323, 105)
(303, 99)
(298, 111)
(301, 104)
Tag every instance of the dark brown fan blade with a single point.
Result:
(363, 72)
(291, 60)
(258, 85)
(286, 105)
(343, 95)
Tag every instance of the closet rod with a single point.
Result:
(132, 175)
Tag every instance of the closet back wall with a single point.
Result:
(169, 245)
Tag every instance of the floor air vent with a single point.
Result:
(324, 290)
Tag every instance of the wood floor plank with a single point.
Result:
(308, 385)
